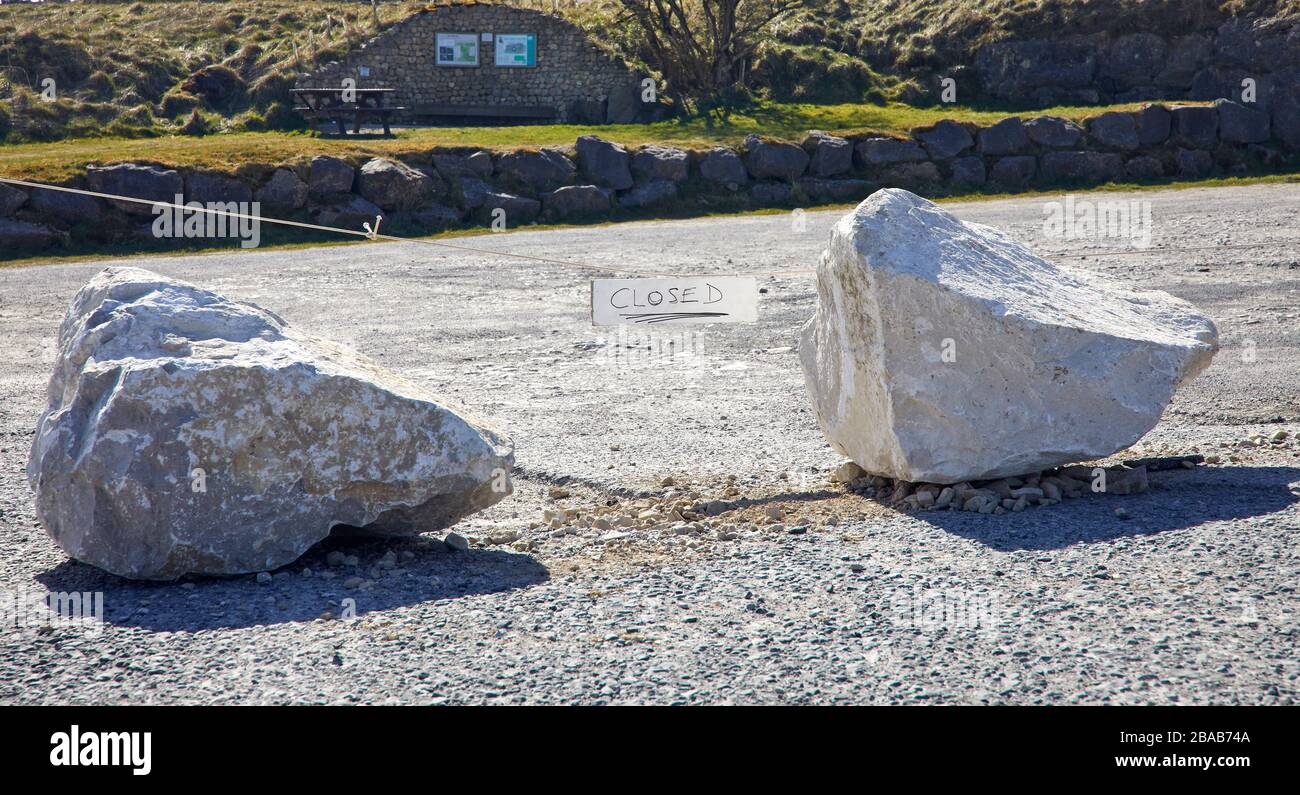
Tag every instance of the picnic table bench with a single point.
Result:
(328, 104)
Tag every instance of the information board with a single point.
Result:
(516, 49)
(457, 49)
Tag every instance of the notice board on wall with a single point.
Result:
(457, 49)
(516, 49)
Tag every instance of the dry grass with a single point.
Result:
(120, 68)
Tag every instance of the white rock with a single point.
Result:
(187, 433)
(944, 351)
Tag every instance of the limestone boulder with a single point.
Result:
(887, 151)
(1239, 124)
(968, 170)
(1132, 59)
(575, 201)
(724, 167)
(944, 139)
(511, 209)
(351, 212)
(1015, 69)
(649, 194)
(771, 192)
(1194, 163)
(831, 155)
(540, 171)
(472, 192)
(1153, 123)
(767, 159)
(216, 189)
(1007, 137)
(70, 208)
(1053, 132)
(1015, 171)
(452, 166)
(284, 191)
(18, 235)
(1115, 130)
(604, 163)
(330, 175)
(393, 185)
(151, 183)
(944, 351)
(1195, 126)
(833, 190)
(1081, 166)
(654, 162)
(11, 199)
(187, 433)
(1144, 167)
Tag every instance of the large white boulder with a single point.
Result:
(188, 433)
(944, 351)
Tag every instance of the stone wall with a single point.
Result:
(1200, 65)
(597, 179)
(580, 81)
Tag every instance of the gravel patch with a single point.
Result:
(678, 535)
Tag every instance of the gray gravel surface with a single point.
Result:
(1189, 600)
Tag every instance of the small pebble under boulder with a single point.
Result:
(190, 434)
(944, 351)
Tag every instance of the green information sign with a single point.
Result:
(516, 49)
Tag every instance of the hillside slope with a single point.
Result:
(162, 66)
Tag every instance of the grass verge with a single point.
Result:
(225, 153)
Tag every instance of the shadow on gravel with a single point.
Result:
(208, 603)
(1176, 500)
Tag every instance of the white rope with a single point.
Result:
(372, 233)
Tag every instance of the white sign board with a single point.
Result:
(457, 49)
(684, 299)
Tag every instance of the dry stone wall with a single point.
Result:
(1132, 66)
(572, 75)
(596, 179)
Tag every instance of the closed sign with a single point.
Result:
(686, 299)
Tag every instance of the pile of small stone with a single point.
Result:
(1234, 452)
(680, 509)
(1012, 494)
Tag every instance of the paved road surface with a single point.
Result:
(1191, 600)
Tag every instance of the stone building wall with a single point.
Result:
(572, 75)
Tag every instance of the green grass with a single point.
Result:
(281, 239)
(61, 160)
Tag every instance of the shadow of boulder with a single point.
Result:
(425, 570)
(1176, 500)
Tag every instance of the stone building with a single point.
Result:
(473, 61)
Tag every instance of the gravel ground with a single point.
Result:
(1190, 600)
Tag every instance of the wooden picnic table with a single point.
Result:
(329, 104)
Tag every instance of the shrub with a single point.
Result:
(197, 124)
(282, 116)
(99, 85)
(176, 102)
(219, 86)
